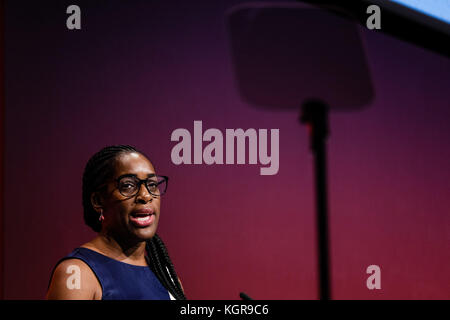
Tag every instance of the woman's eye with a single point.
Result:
(152, 186)
(128, 186)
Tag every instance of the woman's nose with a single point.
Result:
(143, 195)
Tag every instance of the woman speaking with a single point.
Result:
(127, 259)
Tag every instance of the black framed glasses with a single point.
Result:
(129, 185)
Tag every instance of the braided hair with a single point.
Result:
(98, 170)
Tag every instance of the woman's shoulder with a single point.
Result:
(71, 265)
(73, 279)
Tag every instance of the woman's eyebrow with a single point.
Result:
(149, 175)
(126, 175)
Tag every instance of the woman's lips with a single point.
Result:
(142, 218)
(143, 211)
(142, 221)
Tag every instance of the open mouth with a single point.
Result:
(142, 218)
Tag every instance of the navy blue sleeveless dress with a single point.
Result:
(119, 280)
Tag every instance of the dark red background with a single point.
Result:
(139, 70)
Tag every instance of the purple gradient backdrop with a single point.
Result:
(137, 71)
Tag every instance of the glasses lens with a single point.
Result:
(128, 186)
(157, 185)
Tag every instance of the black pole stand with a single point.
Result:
(314, 114)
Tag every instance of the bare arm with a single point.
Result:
(74, 280)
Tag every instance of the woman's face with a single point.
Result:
(132, 219)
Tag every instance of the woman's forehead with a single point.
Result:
(133, 163)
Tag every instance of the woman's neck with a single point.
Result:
(128, 252)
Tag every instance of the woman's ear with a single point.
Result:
(97, 201)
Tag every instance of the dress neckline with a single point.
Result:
(109, 258)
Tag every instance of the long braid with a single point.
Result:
(159, 266)
(169, 268)
(169, 265)
(155, 265)
(163, 267)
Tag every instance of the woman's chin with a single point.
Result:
(143, 230)
(144, 234)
